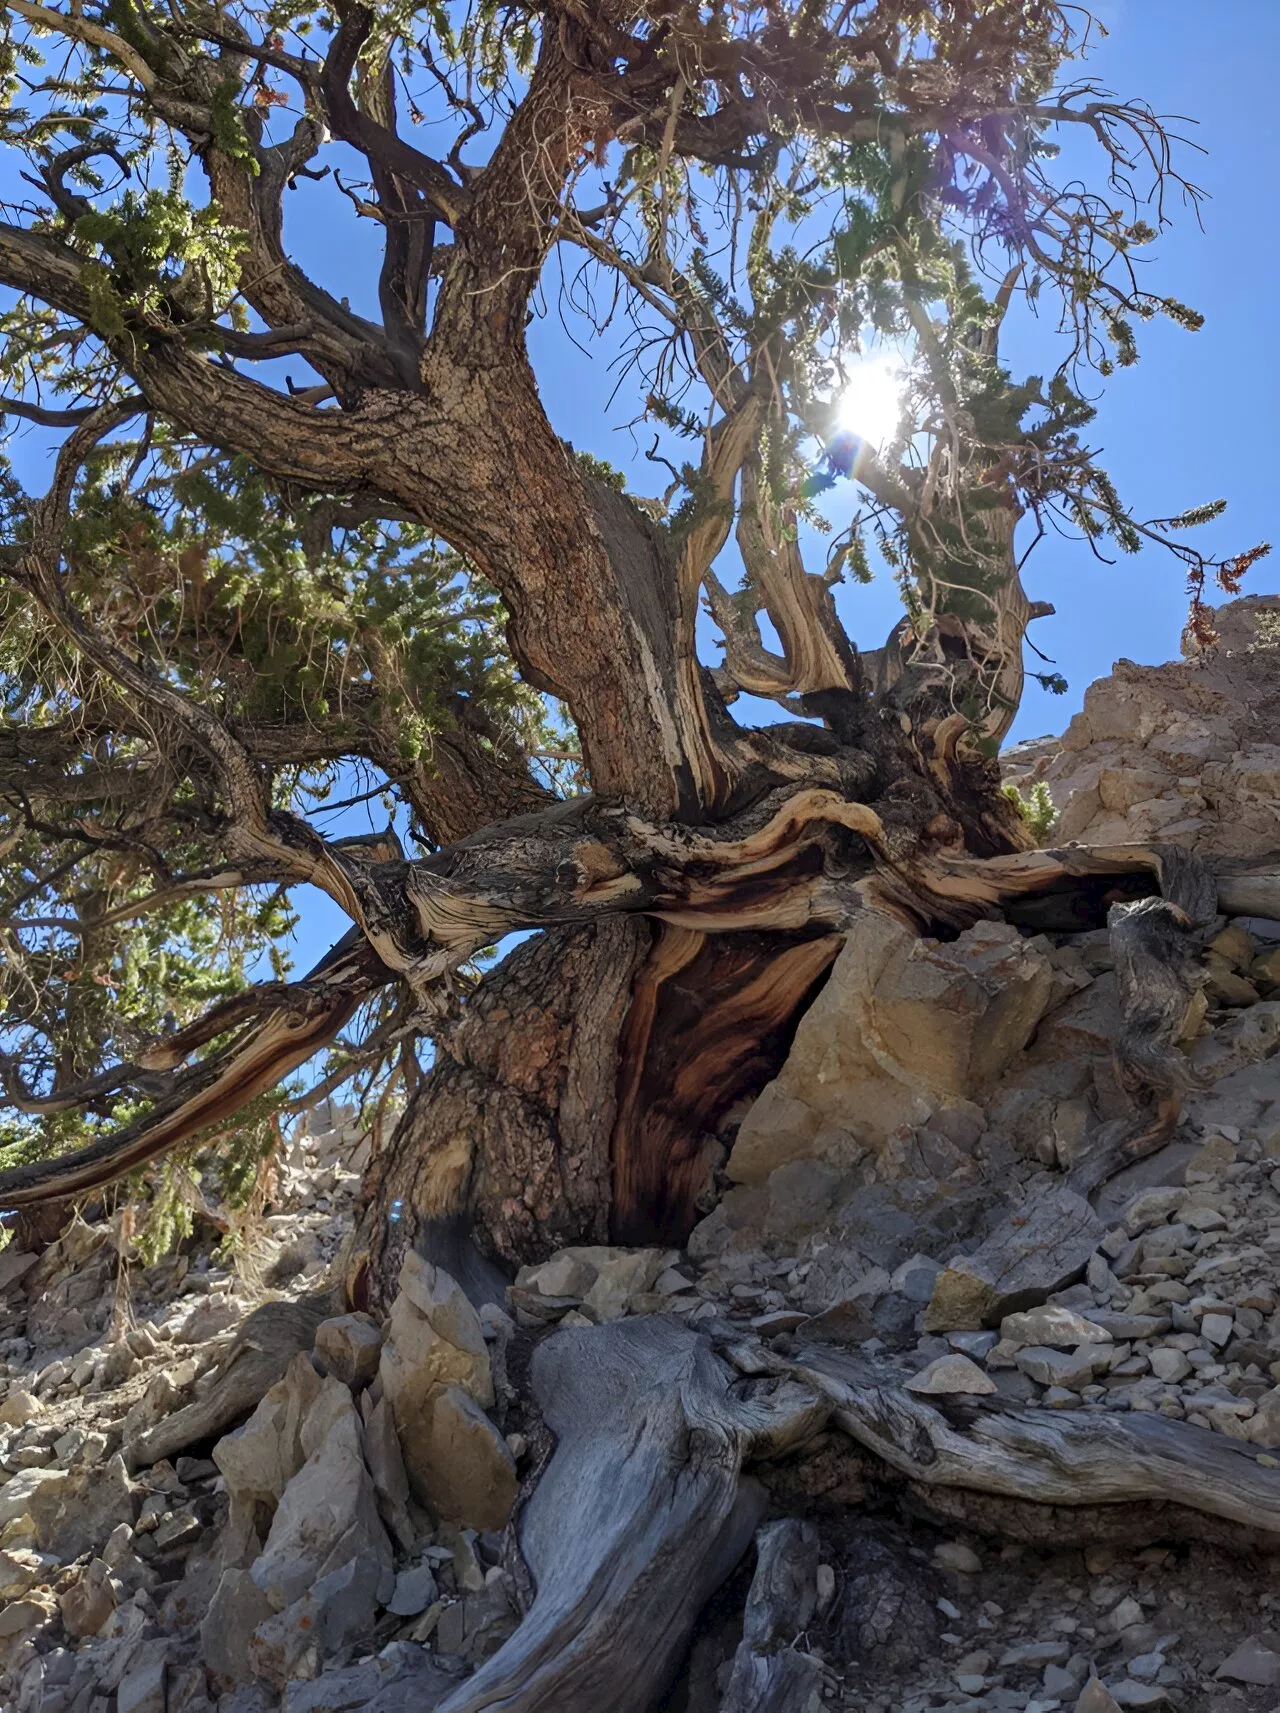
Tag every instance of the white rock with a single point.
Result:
(948, 1374)
(1126, 1614)
(1053, 1325)
(1169, 1365)
(328, 1513)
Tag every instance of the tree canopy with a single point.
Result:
(293, 550)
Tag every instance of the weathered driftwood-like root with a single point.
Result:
(641, 1514)
(267, 1342)
(770, 1675)
(1052, 1457)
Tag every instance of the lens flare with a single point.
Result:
(872, 401)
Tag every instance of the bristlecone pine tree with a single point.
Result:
(292, 550)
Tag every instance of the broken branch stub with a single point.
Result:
(770, 1674)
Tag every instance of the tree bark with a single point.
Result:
(578, 1100)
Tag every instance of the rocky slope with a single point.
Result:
(218, 1489)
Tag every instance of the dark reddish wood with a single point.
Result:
(711, 1021)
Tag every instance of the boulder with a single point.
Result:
(436, 1377)
(335, 1612)
(19, 1492)
(465, 1471)
(237, 1608)
(328, 1513)
(904, 1028)
(350, 1345)
(18, 1408)
(434, 1339)
(385, 1461)
(76, 1512)
(403, 1678)
(89, 1601)
(260, 1459)
(1028, 1257)
(142, 1688)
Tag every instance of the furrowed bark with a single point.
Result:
(510, 1130)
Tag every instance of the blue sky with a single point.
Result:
(1185, 426)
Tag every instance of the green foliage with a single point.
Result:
(1036, 808)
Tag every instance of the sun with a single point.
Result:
(872, 400)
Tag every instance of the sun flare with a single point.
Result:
(872, 400)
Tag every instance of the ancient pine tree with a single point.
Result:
(275, 548)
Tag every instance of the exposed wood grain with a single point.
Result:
(711, 1020)
(641, 1514)
(265, 1345)
(1054, 1457)
(771, 1675)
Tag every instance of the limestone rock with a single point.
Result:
(904, 1027)
(465, 1472)
(1171, 1366)
(89, 1601)
(1096, 1698)
(1173, 752)
(328, 1512)
(260, 1459)
(1068, 1369)
(18, 1493)
(385, 1461)
(1028, 1257)
(606, 1280)
(162, 1398)
(76, 1512)
(20, 1617)
(1252, 1663)
(948, 1374)
(334, 1612)
(142, 1688)
(436, 1377)
(1053, 1325)
(350, 1345)
(414, 1591)
(237, 1608)
(18, 1408)
(401, 1679)
(434, 1339)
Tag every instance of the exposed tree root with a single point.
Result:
(262, 1350)
(1052, 1457)
(770, 1675)
(641, 1514)
(643, 1509)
